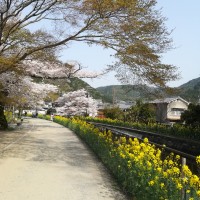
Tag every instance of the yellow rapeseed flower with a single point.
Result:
(198, 193)
(194, 180)
(130, 140)
(129, 164)
(165, 162)
(186, 171)
(146, 140)
(178, 157)
(141, 155)
(176, 170)
(179, 186)
(185, 180)
(170, 162)
(149, 164)
(165, 174)
(198, 159)
(123, 140)
(151, 183)
(160, 162)
(162, 185)
(122, 155)
(159, 169)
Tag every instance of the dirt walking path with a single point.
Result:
(46, 161)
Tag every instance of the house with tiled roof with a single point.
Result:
(170, 109)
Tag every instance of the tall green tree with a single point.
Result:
(135, 31)
(191, 117)
(141, 112)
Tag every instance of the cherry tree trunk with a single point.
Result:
(3, 121)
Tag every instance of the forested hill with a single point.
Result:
(128, 92)
(192, 84)
(68, 85)
(190, 91)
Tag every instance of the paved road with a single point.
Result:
(45, 161)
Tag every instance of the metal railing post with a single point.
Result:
(183, 195)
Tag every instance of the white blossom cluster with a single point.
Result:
(23, 91)
(45, 69)
(57, 70)
(77, 103)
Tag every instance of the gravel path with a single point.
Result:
(45, 161)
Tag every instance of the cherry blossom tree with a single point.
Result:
(49, 70)
(33, 32)
(23, 92)
(76, 103)
(134, 30)
(20, 90)
(37, 92)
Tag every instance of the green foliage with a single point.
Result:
(9, 116)
(141, 112)
(113, 113)
(47, 117)
(3, 121)
(191, 117)
(51, 111)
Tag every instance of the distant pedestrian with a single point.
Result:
(25, 113)
(52, 117)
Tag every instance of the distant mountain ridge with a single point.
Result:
(189, 91)
(191, 84)
(126, 92)
(73, 84)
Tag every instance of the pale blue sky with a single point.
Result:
(183, 16)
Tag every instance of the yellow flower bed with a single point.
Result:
(138, 166)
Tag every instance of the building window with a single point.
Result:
(177, 111)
